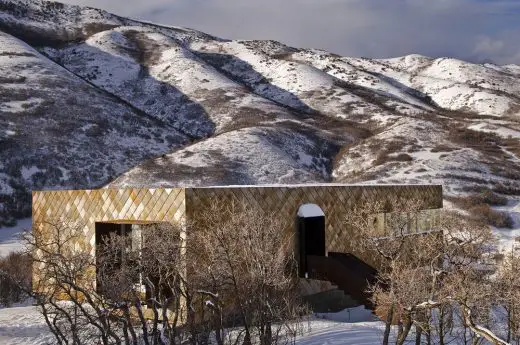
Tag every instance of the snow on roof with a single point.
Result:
(166, 186)
(315, 185)
(310, 210)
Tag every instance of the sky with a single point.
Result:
(474, 30)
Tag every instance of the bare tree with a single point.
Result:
(446, 271)
(65, 270)
(507, 285)
(231, 268)
(15, 278)
(246, 259)
(461, 277)
(95, 299)
(380, 231)
(143, 278)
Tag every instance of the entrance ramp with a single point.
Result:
(352, 275)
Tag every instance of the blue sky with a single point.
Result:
(474, 30)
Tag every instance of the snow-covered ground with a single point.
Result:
(343, 333)
(507, 238)
(25, 326)
(10, 238)
(350, 326)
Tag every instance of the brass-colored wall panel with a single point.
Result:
(334, 200)
(178, 205)
(86, 207)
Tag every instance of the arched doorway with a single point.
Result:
(311, 234)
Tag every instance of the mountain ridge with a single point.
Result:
(125, 103)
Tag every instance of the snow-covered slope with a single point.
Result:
(11, 238)
(256, 155)
(87, 98)
(58, 130)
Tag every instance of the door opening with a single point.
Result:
(131, 232)
(311, 231)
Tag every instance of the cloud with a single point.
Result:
(502, 47)
(467, 29)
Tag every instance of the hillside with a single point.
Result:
(89, 99)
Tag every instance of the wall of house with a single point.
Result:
(86, 207)
(335, 201)
(177, 205)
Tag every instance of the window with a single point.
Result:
(404, 223)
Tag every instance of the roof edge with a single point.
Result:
(303, 185)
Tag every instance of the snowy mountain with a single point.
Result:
(89, 98)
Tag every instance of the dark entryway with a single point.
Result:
(103, 230)
(103, 233)
(311, 231)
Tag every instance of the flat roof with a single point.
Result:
(316, 185)
(302, 185)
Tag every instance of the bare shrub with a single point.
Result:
(383, 158)
(483, 195)
(489, 197)
(513, 145)
(245, 257)
(402, 157)
(485, 142)
(235, 283)
(430, 279)
(15, 278)
(496, 218)
(507, 188)
(478, 206)
(443, 148)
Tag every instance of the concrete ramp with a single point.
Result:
(349, 273)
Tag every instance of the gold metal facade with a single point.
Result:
(86, 207)
(334, 200)
(178, 205)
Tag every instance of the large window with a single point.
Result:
(132, 244)
(405, 223)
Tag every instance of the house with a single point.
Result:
(314, 213)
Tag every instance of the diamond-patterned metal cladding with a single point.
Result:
(86, 207)
(178, 205)
(334, 200)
